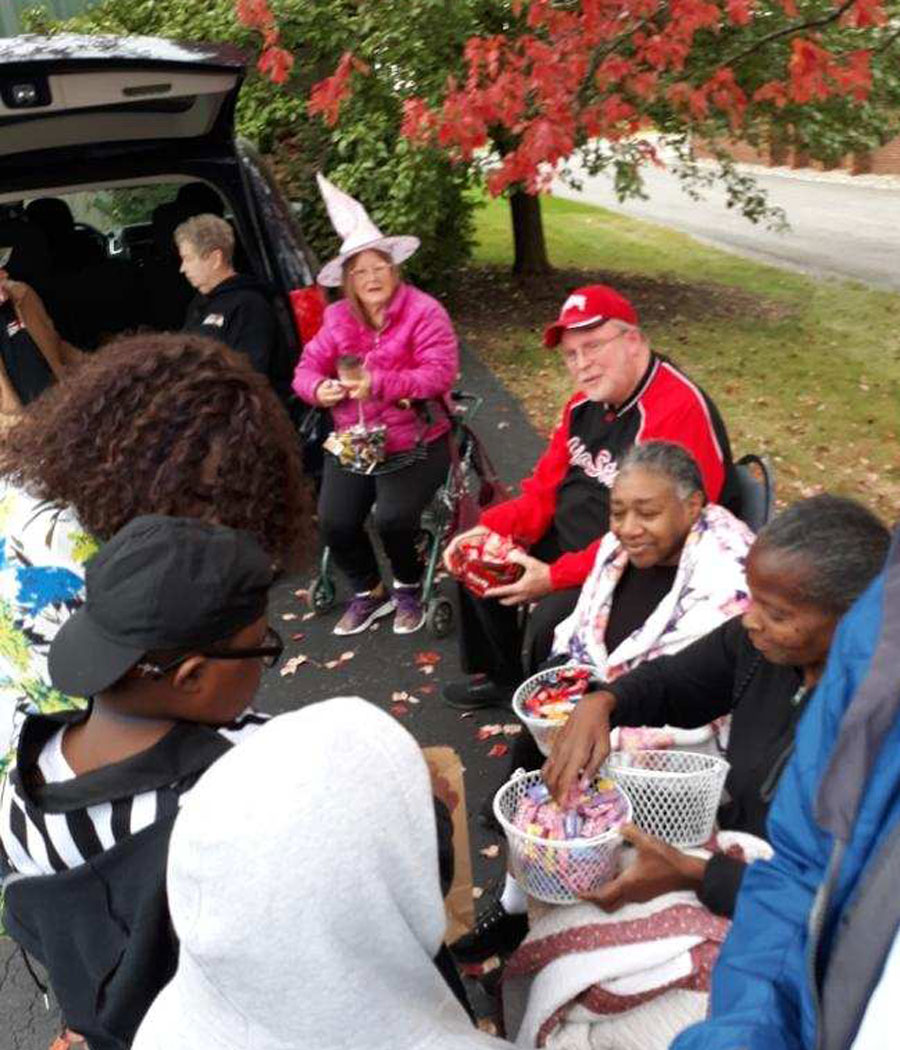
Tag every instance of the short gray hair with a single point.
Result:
(207, 233)
(669, 460)
(841, 543)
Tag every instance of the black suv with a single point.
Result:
(133, 135)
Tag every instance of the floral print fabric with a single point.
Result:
(709, 588)
(43, 551)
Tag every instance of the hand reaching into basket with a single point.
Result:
(581, 746)
(657, 868)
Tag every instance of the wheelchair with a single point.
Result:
(756, 481)
(468, 474)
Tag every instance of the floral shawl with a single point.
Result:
(709, 588)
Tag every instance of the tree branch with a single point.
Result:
(815, 23)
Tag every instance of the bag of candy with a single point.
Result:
(480, 562)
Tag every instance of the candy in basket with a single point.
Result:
(557, 853)
(480, 562)
(544, 701)
(360, 448)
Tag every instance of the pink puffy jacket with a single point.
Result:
(415, 355)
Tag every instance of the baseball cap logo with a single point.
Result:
(575, 302)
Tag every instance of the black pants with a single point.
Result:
(399, 498)
(497, 640)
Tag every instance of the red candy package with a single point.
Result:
(480, 563)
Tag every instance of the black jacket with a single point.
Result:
(239, 312)
(719, 674)
(102, 929)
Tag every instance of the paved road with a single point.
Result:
(383, 663)
(837, 229)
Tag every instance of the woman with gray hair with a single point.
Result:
(670, 569)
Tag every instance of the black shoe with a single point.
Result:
(495, 933)
(486, 818)
(477, 693)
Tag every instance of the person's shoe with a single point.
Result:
(363, 611)
(410, 615)
(477, 693)
(495, 933)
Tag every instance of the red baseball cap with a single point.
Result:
(592, 305)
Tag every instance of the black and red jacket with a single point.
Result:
(568, 491)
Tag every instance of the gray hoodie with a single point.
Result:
(303, 885)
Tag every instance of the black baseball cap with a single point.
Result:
(160, 583)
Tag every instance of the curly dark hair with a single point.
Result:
(165, 424)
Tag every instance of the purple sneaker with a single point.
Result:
(363, 611)
(410, 613)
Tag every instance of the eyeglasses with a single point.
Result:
(375, 271)
(269, 653)
(592, 348)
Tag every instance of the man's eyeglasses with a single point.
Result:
(592, 348)
(269, 652)
(375, 271)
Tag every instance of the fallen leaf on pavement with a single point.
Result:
(498, 751)
(290, 666)
(331, 664)
(308, 616)
(427, 668)
(298, 637)
(427, 656)
(413, 700)
(347, 655)
(399, 695)
(490, 851)
(289, 616)
(503, 425)
(486, 732)
(512, 729)
(399, 710)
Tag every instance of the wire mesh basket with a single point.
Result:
(674, 794)
(556, 871)
(543, 730)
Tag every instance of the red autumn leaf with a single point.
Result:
(498, 751)
(427, 656)
(399, 710)
(426, 690)
(276, 64)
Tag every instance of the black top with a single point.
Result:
(717, 675)
(25, 365)
(637, 594)
(238, 312)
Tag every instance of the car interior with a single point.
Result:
(103, 259)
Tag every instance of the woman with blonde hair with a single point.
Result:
(383, 363)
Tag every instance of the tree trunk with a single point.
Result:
(528, 234)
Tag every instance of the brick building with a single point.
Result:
(882, 161)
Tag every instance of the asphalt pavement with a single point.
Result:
(838, 228)
(382, 664)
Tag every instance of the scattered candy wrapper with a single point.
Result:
(344, 657)
(427, 669)
(298, 637)
(498, 751)
(399, 710)
(486, 732)
(413, 700)
(512, 729)
(308, 616)
(399, 696)
(556, 697)
(331, 664)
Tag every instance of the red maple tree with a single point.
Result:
(567, 75)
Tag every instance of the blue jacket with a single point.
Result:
(764, 995)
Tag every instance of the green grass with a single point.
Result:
(807, 370)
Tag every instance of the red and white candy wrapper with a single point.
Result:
(481, 562)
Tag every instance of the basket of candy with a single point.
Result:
(675, 794)
(544, 701)
(480, 562)
(359, 448)
(557, 853)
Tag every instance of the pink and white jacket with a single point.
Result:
(414, 355)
